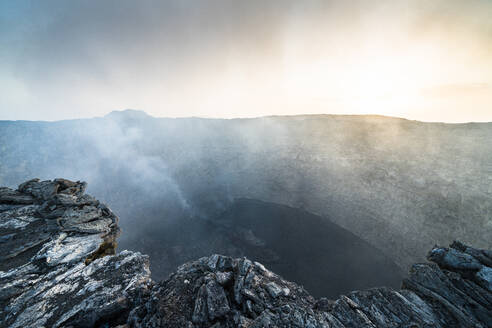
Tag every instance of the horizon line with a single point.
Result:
(145, 114)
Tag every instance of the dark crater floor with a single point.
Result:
(302, 247)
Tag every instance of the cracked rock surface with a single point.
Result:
(219, 291)
(53, 268)
(58, 268)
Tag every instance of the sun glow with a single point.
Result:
(377, 79)
(382, 80)
(422, 60)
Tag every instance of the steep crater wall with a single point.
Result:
(400, 185)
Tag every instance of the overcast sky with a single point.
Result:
(428, 60)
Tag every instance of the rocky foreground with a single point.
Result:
(58, 268)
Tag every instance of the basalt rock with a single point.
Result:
(59, 268)
(54, 271)
(455, 292)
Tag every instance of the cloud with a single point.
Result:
(70, 59)
(454, 90)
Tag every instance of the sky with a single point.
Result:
(428, 60)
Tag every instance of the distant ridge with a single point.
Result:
(128, 113)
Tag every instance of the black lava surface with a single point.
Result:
(300, 246)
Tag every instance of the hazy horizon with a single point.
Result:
(239, 117)
(422, 60)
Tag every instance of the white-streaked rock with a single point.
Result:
(56, 268)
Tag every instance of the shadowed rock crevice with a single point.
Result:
(107, 247)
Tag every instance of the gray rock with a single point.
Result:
(54, 268)
(217, 303)
(200, 310)
(446, 294)
(223, 278)
(9, 196)
(274, 290)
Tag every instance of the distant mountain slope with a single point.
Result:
(400, 185)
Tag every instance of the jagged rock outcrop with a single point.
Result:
(219, 291)
(53, 273)
(58, 268)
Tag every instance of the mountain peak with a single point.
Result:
(128, 114)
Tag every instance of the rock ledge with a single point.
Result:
(54, 271)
